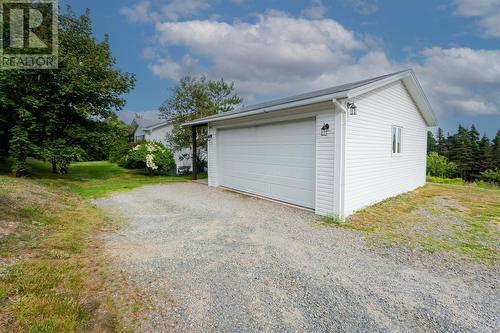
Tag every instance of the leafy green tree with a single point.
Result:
(103, 137)
(195, 98)
(52, 114)
(431, 143)
(439, 166)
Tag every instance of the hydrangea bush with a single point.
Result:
(150, 155)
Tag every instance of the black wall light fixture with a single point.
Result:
(352, 108)
(324, 130)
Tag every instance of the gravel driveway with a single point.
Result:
(216, 261)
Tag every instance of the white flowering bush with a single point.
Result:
(150, 155)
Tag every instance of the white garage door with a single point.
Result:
(273, 160)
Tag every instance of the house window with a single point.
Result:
(397, 139)
(139, 138)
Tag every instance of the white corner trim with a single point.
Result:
(340, 131)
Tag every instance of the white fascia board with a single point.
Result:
(411, 83)
(290, 105)
(375, 85)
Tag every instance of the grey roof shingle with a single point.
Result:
(333, 90)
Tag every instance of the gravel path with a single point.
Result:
(215, 261)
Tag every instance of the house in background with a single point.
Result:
(155, 129)
(335, 150)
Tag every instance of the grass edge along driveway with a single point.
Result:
(53, 276)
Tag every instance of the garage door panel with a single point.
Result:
(275, 160)
(291, 182)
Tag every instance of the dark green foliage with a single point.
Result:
(442, 147)
(491, 176)
(64, 114)
(471, 154)
(495, 150)
(483, 158)
(431, 143)
(194, 98)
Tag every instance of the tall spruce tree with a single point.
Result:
(484, 158)
(496, 150)
(460, 151)
(431, 143)
(474, 146)
(442, 143)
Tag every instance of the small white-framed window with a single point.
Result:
(397, 140)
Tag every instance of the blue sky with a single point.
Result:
(277, 48)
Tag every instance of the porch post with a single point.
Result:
(194, 154)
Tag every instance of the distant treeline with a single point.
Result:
(472, 153)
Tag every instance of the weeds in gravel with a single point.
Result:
(331, 219)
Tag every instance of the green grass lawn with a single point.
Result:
(460, 221)
(96, 179)
(53, 275)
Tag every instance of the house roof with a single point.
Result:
(148, 123)
(349, 90)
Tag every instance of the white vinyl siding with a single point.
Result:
(371, 172)
(325, 157)
(212, 157)
(274, 160)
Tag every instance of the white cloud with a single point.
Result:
(363, 7)
(138, 13)
(148, 53)
(167, 68)
(278, 55)
(145, 11)
(487, 13)
(177, 9)
(275, 55)
(461, 80)
(316, 11)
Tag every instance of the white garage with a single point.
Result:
(334, 151)
(274, 160)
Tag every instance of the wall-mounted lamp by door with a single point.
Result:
(324, 130)
(352, 108)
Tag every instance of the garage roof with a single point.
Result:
(349, 90)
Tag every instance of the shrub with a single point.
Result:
(491, 176)
(150, 155)
(445, 180)
(439, 166)
(119, 151)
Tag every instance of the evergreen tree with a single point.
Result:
(474, 147)
(460, 151)
(442, 143)
(431, 143)
(496, 150)
(484, 159)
